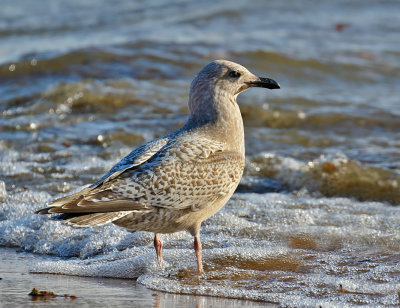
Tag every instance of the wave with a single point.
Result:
(332, 176)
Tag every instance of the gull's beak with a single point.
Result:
(264, 83)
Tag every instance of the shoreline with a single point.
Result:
(17, 282)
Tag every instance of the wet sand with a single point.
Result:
(17, 282)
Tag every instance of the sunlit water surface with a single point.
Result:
(315, 220)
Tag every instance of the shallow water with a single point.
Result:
(315, 219)
(17, 282)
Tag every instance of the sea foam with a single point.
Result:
(280, 248)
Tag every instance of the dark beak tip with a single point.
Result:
(266, 83)
(269, 83)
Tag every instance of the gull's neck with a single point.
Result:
(218, 114)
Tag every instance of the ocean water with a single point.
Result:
(315, 220)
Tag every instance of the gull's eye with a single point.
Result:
(234, 74)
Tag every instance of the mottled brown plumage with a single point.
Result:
(175, 182)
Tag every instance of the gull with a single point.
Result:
(175, 182)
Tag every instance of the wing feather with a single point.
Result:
(135, 158)
(95, 219)
(193, 174)
(76, 203)
(97, 203)
(175, 174)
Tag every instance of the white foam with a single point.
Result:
(3, 191)
(280, 248)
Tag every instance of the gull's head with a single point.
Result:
(228, 79)
(214, 90)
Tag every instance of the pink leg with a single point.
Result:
(197, 249)
(158, 246)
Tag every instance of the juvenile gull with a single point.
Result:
(175, 182)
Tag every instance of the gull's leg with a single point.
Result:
(158, 246)
(197, 249)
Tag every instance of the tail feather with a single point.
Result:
(90, 220)
(88, 208)
(63, 200)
